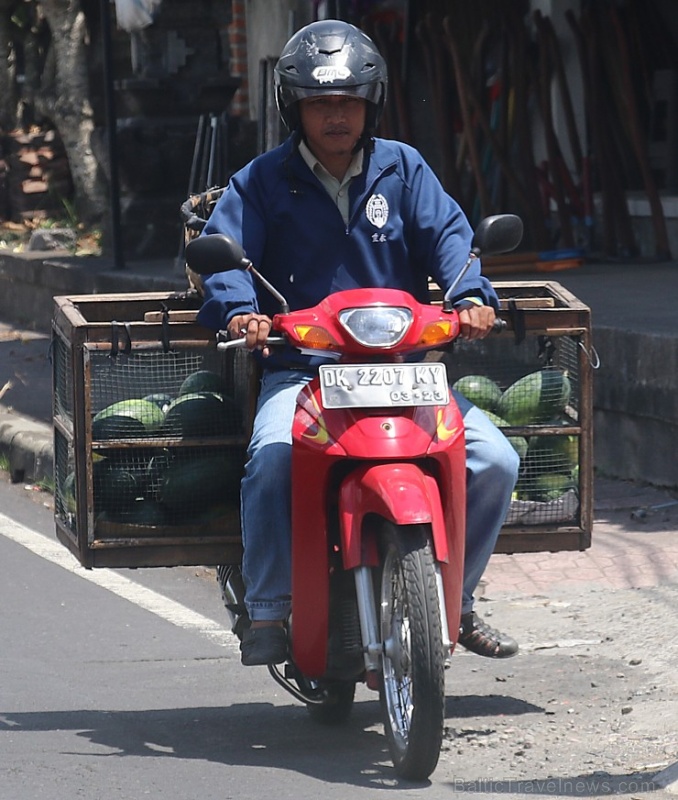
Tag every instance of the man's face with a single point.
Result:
(332, 124)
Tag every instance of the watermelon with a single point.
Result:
(215, 512)
(117, 426)
(202, 381)
(550, 486)
(134, 418)
(191, 484)
(544, 487)
(116, 486)
(479, 390)
(157, 464)
(145, 512)
(495, 419)
(160, 399)
(553, 453)
(68, 492)
(201, 414)
(535, 398)
(519, 443)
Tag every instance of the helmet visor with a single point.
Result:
(369, 92)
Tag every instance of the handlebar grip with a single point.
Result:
(230, 344)
(499, 325)
(234, 344)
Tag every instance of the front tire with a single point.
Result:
(412, 690)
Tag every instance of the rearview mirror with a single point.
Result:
(500, 233)
(215, 252)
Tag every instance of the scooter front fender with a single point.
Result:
(402, 493)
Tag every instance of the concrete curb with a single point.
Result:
(29, 446)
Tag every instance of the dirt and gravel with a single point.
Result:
(589, 706)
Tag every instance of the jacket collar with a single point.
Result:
(376, 161)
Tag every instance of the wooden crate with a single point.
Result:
(548, 328)
(112, 347)
(117, 502)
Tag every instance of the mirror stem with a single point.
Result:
(447, 301)
(284, 305)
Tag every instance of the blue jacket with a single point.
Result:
(402, 229)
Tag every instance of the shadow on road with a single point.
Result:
(251, 735)
(248, 735)
(491, 705)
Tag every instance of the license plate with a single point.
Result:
(383, 385)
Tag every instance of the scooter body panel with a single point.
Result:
(407, 465)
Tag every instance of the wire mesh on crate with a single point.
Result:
(168, 405)
(152, 381)
(531, 391)
(165, 487)
(553, 360)
(62, 370)
(64, 481)
(139, 374)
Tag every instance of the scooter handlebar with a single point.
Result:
(224, 343)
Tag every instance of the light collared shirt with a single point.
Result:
(337, 189)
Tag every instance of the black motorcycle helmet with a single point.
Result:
(330, 57)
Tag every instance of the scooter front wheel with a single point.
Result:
(412, 690)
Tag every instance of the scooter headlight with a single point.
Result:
(378, 326)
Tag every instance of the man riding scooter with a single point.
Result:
(336, 208)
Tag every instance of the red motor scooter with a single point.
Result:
(378, 502)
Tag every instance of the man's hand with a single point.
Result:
(254, 327)
(476, 321)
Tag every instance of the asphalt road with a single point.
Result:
(122, 685)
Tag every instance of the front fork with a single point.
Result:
(369, 619)
(369, 614)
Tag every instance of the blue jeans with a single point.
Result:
(491, 466)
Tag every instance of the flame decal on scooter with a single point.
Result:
(444, 417)
(321, 435)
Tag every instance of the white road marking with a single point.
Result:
(161, 606)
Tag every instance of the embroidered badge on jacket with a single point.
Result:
(377, 210)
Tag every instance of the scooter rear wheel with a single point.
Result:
(412, 691)
(337, 705)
